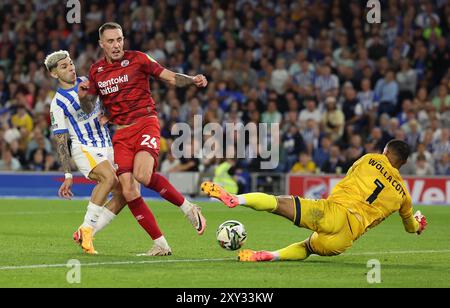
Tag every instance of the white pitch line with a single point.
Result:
(39, 213)
(112, 263)
(37, 266)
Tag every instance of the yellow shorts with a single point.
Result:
(335, 227)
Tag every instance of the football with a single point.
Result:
(231, 235)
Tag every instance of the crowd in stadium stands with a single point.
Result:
(338, 86)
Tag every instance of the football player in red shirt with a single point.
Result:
(121, 81)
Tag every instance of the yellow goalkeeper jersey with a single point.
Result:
(373, 189)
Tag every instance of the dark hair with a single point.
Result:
(399, 148)
(108, 25)
(421, 157)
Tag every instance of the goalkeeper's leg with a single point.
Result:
(295, 252)
(286, 206)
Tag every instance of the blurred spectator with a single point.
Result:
(422, 167)
(302, 75)
(412, 132)
(22, 119)
(8, 161)
(443, 165)
(377, 49)
(440, 58)
(326, 84)
(407, 108)
(190, 109)
(271, 115)
(311, 134)
(50, 163)
(333, 119)
(353, 110)
(366, 98)
(293, 145)
(335, 164)
(38, 141)
(425, 18)
(18, 152)
(310, 112)
(11, 134)
(386, 91)
(223, 177)
(442, 100)
(169, 163)
(351, 156)
(442, 145)
(213, 113)
(356, 147)
(322, 154)
(38, 160)
(279, 76)
(394, 125)
(187, 162)
(304, 165)
(422, 150)
(407, 80)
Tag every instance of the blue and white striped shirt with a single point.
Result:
(68, 117)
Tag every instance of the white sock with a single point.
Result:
(105, 218)
(276, 255)
(241, 199)
(161, 241)
(186, 206)
(92, 214)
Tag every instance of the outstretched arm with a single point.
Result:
(64, 158)
(182, 80)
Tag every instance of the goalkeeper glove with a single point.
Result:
(421, 220)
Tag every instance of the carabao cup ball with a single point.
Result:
(231, 235)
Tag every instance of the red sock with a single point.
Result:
(166, 190)
(145, 217)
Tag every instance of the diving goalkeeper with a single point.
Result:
(372, 190)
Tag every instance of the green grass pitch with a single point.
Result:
(36, 244)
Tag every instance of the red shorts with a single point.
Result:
(144, 135)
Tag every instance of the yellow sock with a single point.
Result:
(294, 252)
(259, 201)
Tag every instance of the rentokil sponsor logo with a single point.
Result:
(111, 85)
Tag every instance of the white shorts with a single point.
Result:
(87, 158)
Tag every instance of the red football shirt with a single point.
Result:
(123, 86)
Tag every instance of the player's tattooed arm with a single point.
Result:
(182, 80)
(63, 151)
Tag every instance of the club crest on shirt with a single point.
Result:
(124, 63)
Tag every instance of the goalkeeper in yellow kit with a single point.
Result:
(371, 191)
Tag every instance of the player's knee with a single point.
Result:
(112, 181)
(142, 176)
(329, 248)
(130, 194)
(109, 179)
